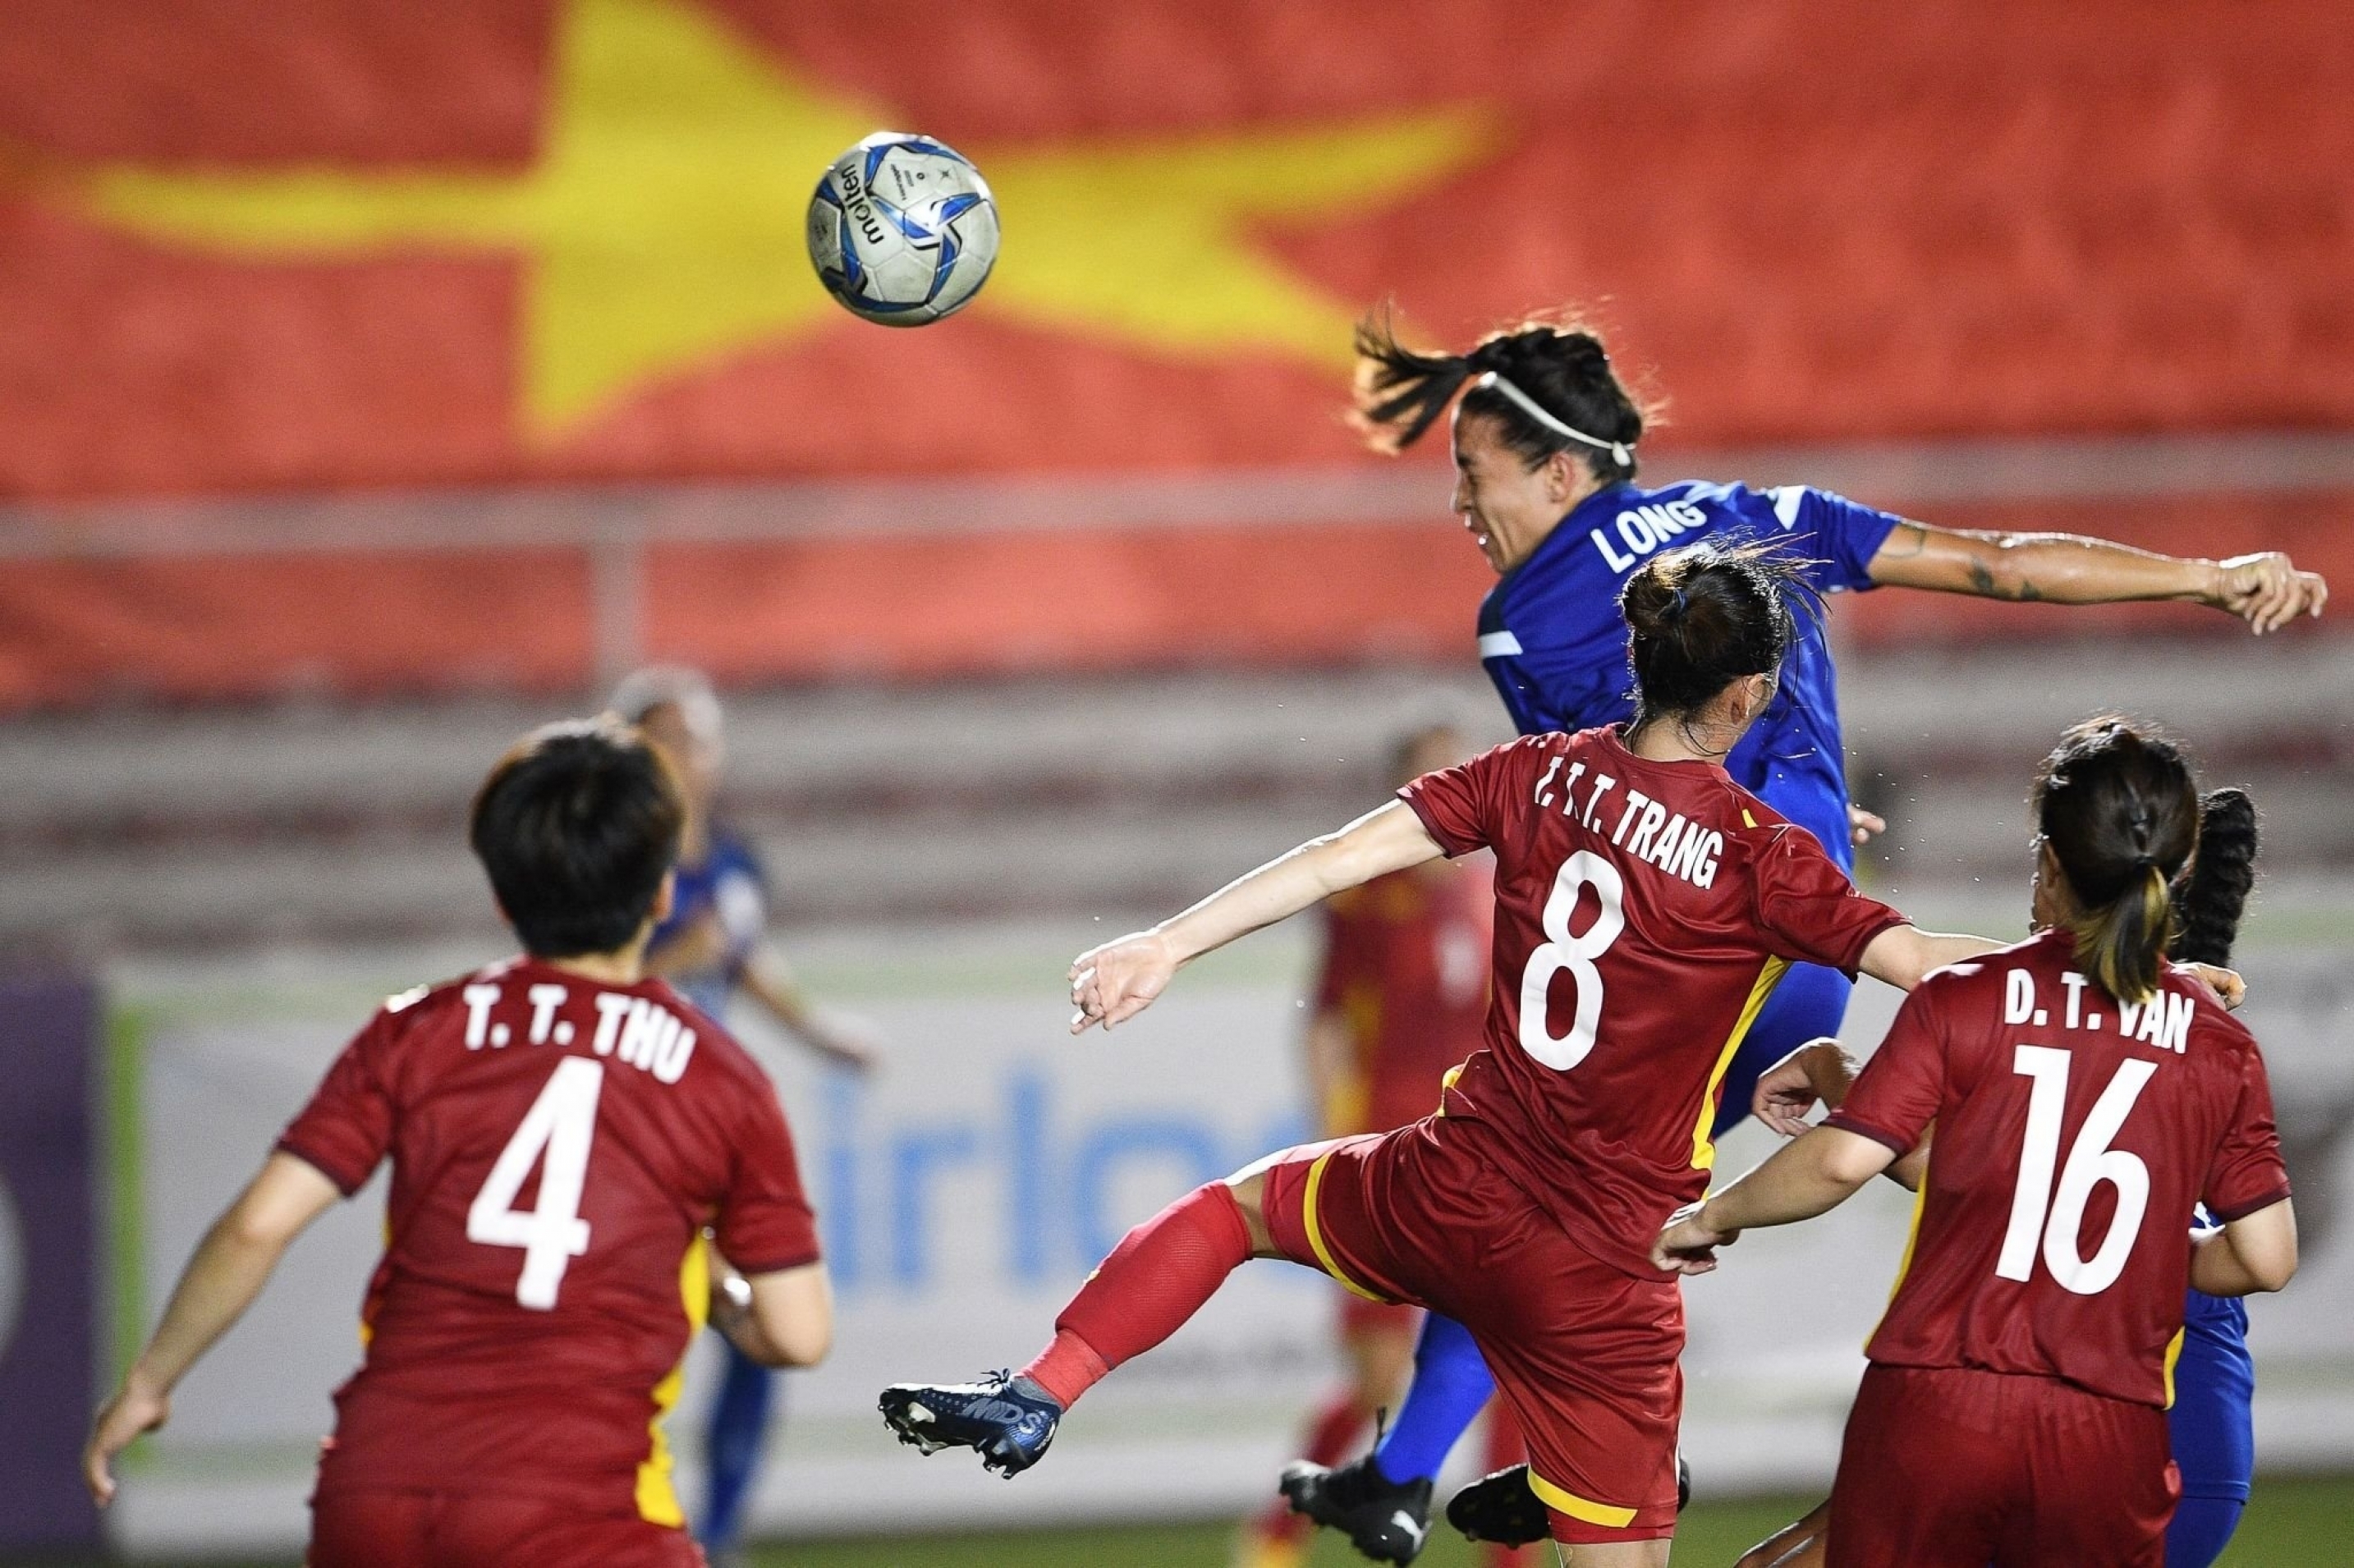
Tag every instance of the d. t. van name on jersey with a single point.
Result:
(1645, 828)
(2164, 1021)
(645, 1034)
(1643, 529)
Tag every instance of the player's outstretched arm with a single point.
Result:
(1903, 955)
(2265, 590)
(1809, 1176)
(2251, 1254)
(769, 981)
(1114, 982)
(1821, 1072)
(230, 1266)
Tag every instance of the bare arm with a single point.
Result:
(2265, 590)
(783, 1319)
(230, 1266)
(1903, 955)
(1809, 1176)
(1113, 983)
(2252, 1254)
(768, 979)
(1821, 1070)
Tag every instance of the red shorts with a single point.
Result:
(1951, 1467)
(362, 1529)
(1584, 1354)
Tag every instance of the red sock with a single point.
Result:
(1157, 1277)
(1333, 1433)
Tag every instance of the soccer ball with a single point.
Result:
(902, 230)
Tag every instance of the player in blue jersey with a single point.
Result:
(1544, 439)
(713, 947)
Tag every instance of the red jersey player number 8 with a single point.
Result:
(1577, 954)
(559, 1127)
(2038, 1213)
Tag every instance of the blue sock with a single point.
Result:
(1450, 1387)
(2202, 1527)
(739, 1421)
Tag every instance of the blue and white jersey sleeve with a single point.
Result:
(1838, 535)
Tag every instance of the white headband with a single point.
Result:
(1529, 406)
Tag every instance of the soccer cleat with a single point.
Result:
(1008, 1428)
(1503, 1508)
(1387, 1520)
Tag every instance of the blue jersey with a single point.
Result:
(726, 883)
(1553, 642)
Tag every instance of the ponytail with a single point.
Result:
(2121, 943)
(2211, 895)
(1548, 385)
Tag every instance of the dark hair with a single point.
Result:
(576, 826)
(2213, 892)
(2116, 806)
(1705, 615)
(1558, 364)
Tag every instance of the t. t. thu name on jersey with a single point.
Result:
(644, 1034)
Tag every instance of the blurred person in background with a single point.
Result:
(713, 945)
(1545, 435)
(519, 1361)
(1401, 997)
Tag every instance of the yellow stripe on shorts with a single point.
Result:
(1578, 1508)
(1316, 1231)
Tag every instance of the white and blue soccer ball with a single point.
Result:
(902, 229)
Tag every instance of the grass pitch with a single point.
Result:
(2303, 1522)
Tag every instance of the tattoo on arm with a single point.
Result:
(1904, 540)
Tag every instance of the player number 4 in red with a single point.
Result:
(551, 1232)
(2041, 1214)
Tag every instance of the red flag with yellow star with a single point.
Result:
(250, 249)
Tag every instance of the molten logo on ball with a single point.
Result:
(902, 230)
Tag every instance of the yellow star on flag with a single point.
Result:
(662, 227)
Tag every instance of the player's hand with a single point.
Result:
(2228, 988)
(1113, 983)
(1817, 1072)
(2266, 590)
(1687, 1247)
(847, 1040)
(1863, 824)
(134, 1410)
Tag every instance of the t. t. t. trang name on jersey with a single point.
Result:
(642, 1032)
(1645, 828)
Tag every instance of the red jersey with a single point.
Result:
(1644, 912)
(2073, 1137)
(1405, 968)
(557, 1146)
